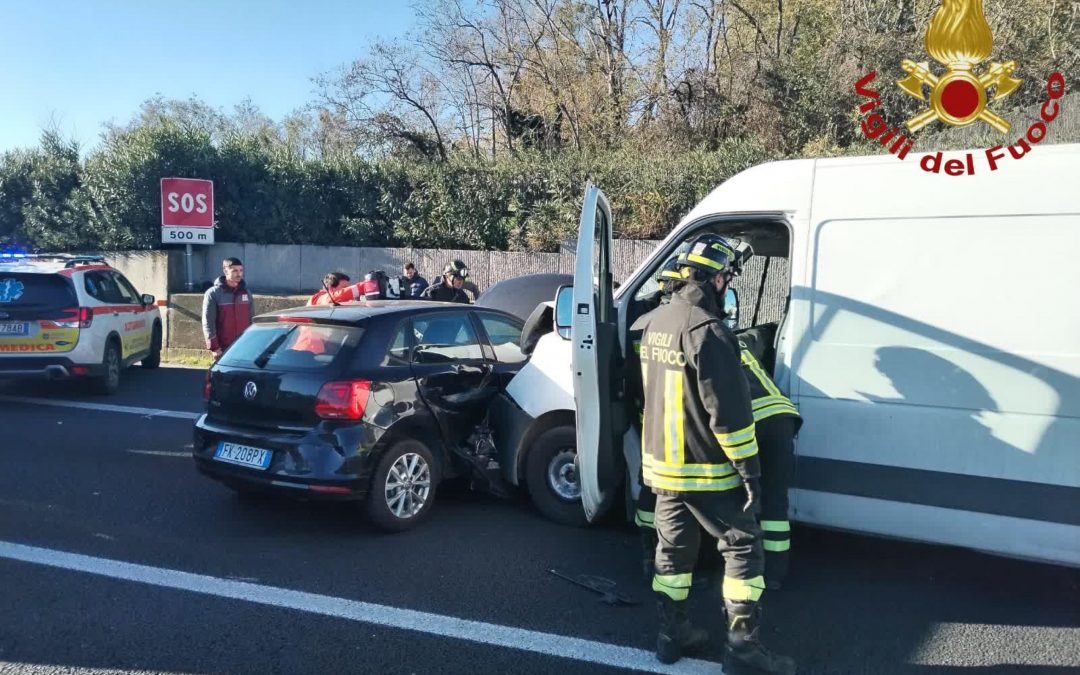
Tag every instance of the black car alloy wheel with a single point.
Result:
(403, 487)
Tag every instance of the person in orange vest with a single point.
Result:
(340, 291)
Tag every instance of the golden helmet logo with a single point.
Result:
(959, 38)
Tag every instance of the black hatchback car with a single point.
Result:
(375, 402)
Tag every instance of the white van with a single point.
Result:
(927, 326)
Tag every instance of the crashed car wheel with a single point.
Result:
(551, 474)
(403, 487)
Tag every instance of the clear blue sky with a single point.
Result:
(84, 63)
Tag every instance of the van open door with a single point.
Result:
(594, 340)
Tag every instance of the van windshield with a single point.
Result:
(292, 346)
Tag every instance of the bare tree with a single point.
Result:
(393, 97)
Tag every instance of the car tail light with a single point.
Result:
(295, 319)
(206, 387)
(343, 400)
(78, 317)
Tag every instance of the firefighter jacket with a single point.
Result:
(441, 291)
(226, 313)
(698, 426)
(766, 399)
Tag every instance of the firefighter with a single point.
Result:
(449, 287)
(699, 447)
(646, 501)
(777, 421)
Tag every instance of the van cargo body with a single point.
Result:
(928, 332)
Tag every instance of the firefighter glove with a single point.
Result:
(753, 495)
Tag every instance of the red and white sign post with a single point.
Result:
(187, 211)
(187, 215)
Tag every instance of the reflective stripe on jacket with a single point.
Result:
(698, 425)
(766, 398)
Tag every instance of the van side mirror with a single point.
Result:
(564, 310)
(731, 308)
(147, 299)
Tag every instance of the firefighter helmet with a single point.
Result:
(713, 254)
(670, 268)
(456, 268)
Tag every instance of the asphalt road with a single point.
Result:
(119, 487)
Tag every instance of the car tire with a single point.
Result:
(111, 363)
(552, 477)
(403, 487)
(153, 360)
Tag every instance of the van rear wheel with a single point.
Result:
(552, 477)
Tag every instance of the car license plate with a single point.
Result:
(14, 328)
(244, 455)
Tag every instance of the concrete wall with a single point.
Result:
(185, 316)
(285, 276)
(148, 272)
(283, 269)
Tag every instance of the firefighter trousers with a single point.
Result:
(679, 519)
(776, 447)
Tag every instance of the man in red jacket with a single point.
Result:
(228, 308)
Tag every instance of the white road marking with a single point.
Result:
(104, 407)
(548, 644)
(23, 668)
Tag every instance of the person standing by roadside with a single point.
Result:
(412, 284)
(228, 308)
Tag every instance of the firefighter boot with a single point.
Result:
(745, 653)
(648, 552)
(676, 634)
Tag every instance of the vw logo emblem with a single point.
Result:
(250, 390)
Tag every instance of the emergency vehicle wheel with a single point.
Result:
(109, 380)
(403, 487)
(154, 359)
(551, 474)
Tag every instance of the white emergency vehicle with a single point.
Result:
(67, 316)
(926, 326)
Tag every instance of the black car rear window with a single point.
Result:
(292, 346)
(35, 291)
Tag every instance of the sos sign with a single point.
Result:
(187, 211)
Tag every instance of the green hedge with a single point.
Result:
(50, 199)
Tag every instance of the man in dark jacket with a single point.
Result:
(699, 447)
(448, 288)
(228, 308)
(412, 284)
